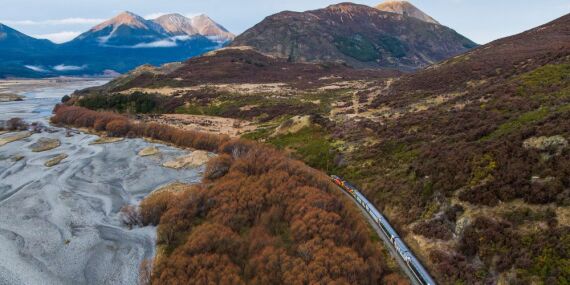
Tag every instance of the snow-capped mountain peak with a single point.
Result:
(208, 27)
(180, 25)
(126, 18)
(176, 24)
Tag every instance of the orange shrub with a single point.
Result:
(272, 218)
(154, 206)
(118, 128)
(118, 125)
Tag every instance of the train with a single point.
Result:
(417, 269)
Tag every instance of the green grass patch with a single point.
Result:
(357, 47)
(311, 145)
(208, 110)
(518, 123)
(136, 103)
(393, 45)
(259, 134)
(543, 78)
(483, 168)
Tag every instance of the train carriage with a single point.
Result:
(419, 272)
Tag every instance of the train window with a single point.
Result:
(417, 274)
(384, 229)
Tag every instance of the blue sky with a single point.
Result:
(480, 20)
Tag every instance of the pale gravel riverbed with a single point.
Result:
(60, 225)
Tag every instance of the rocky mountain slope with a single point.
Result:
(119, 44)
(358, 35)
(405, 8)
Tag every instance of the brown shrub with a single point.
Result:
(154, 206)
(130, 215)
(16, 124)
(145, 272)
(118, 128)
(118, 125)
(293, 228)
(218, 167)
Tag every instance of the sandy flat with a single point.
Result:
(61, 224)
(208, 124)
(14, 137)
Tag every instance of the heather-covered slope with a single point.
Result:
(241, 65)
(469, 158)
(358, 35)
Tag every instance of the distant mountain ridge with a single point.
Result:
(130, 30)
(11, 38)
(118, 44)
(357, 35)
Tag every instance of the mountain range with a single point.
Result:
(117, 45)
(393, 35)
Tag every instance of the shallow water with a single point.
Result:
(60, 225)
(40, 97)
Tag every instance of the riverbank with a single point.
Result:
(62, 191)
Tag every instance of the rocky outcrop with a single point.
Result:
(148, 151)
(106, 140)
(195, 159)
(45, 144)
(548, 146)
(7, 97)
(14, 137)
(407, 9)
(56, 160)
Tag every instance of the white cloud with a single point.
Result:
(66, 21)
(35, 68)
(157, 44)
(59, 37)
(63, 67)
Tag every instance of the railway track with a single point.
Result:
(405, 258)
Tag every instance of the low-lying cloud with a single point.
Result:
(63, 67)
(36, 68)
(157, 44)
(60, 37)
